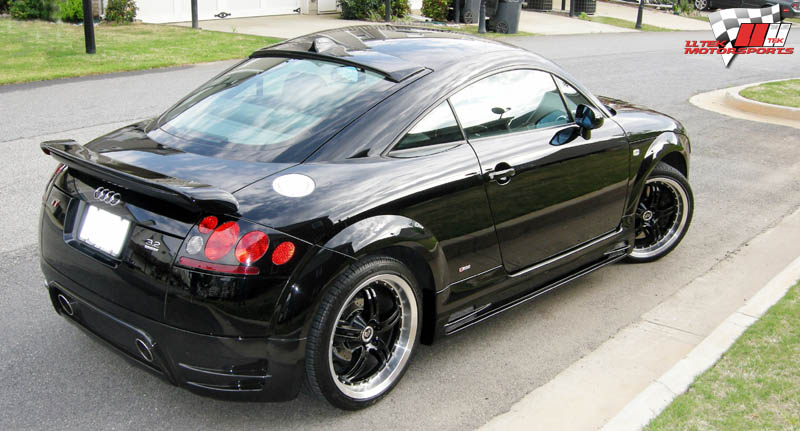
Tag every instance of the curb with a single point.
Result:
(660, 394)
(737, 101)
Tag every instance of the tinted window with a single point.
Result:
(572, 96)
(438, 127)
(509, 102)
(265, 103)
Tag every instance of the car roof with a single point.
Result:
(397, 52)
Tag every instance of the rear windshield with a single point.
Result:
(265, 106)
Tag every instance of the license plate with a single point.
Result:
(104, 231)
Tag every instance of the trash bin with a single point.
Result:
(587, 6)
(546, 5)
(470, 9)
(505, 18)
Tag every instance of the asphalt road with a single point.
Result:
(746, 177)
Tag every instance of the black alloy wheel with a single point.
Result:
(364, 334)
(663, 214)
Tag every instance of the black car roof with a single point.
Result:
(398, 52)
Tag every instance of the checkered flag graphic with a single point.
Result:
(725, 24)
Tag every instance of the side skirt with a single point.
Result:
(486, 311)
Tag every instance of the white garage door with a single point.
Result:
(181, 10)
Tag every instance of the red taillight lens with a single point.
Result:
(218, 267)
(208, 224)
(222, 240)
(283, 253)
(252, 247)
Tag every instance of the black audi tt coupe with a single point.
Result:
(311, 215)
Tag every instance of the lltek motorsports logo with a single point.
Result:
(744, 31)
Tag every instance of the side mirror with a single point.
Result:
(588, 118)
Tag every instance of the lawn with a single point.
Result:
(473, 30)
(786, 93)
(756, 384)
(622, 23)
(39, 50)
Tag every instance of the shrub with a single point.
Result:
(683, 7)
(121, 11)
(70, 10)
(436, 9)
(3, 5)
(31, 9)
(366, 9)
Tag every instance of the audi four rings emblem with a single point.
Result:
(108, 196)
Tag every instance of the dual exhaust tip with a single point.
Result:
(144, 348)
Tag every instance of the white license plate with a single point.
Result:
(104, 231)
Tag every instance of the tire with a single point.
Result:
(701, 4)
(364, 333)
(663, 214)
(468, 18)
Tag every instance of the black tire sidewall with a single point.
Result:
(318, 349)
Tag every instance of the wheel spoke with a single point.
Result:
(356, 366)
(347, 332)
(371, 304)
(389, 323)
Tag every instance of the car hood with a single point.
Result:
(131, 151)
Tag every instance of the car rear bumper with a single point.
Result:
(240, 368)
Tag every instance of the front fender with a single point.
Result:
(301, 296)
(667, 144)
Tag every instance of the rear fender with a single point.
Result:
(391, 235)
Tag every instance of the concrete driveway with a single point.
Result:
(744, 176)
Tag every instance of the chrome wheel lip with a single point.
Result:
(674, 232)
(378, 383)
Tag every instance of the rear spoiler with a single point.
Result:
(189, 195)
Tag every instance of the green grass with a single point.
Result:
(622, 23)
(473, 30)
(795, 20)
(39, 50)
(756, 384)
(785, 93)
(697, 17)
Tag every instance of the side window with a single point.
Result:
(572, 96)
(509, 102)
(438, 127)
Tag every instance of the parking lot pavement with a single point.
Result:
(744, 175)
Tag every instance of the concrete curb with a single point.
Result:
(735, 100)
(656, 397)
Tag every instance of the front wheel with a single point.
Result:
(663, 214)
(364, 333)
(701, 4)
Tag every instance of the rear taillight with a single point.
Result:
(234, 247)
(283, 253)
(252, 247)
(222, 240)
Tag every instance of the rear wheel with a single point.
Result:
(663, 214)
(364, 333)
(701, 4)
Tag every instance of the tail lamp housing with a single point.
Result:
(237, 247)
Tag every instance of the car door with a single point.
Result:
(545, 196)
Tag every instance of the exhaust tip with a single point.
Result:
(144, 350)
(66, 305)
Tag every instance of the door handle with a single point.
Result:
(502, 177)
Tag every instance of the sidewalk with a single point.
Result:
(290, 26)
(628, 12)
(666, 347)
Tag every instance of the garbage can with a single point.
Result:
(505, 18)
(545, 5)
(470, 9)
(587, 6)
